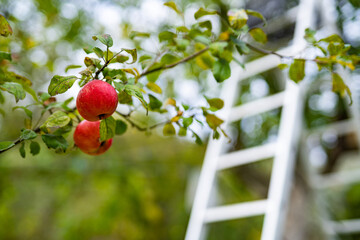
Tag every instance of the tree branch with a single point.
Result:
(146, 72)
(106, 63)
(19, 140)
(266, 52)
(133, 124)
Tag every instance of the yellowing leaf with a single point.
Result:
(258, 35)
(213, 121)
(170, 101)
(169, 130)
(173, 6)
(297, 70)
(5, 28)
(154, 87)
(202, 12)
(238, 18)
(339, 86)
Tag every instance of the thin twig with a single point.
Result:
(266, 52)
(105, 65)
(174, 64)
(19, 140)
(133, 124)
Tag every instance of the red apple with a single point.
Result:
(96, 100)
(87, 138)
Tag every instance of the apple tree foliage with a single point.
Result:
(136, 80)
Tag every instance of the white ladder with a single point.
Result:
(284, 150)
(319, 182)
(352, 125)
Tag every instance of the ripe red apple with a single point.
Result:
(96, 100)
(87, 138)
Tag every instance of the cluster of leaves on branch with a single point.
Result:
(136, 79)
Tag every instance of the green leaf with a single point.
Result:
(173, 6)
(256, 14)
(5, 55)
(339, 86)
(124, 98)
(98, 52)
(169, 59)
(6, 145)
(144, 58)
(15, 89)
(154, 87)
(169, 130)
(238, 18)
(217, 48)
(202, 12)
(134, 34)
(154, 104)
(182, 132)
(215, 103)
(107, 128)
(310, 35)
(197, 139)
(120, 128)
(34, 148)
(166, 36)
(186, 107)
(187, 121)
(297, 70)
(216, 134)
(22, 150)
(206, 24)
(121, 58)
(58, 143)
(57, 119)
(213, 121)
(5, 28)
(182, 44)
(204, 61)
(88, 49)
(355, 3)
(332, 38)
(258, 35)
(92, 62)
(133, 54)
(152, 77)
(221, 70)
(27, 111)
(72, 67)
(182, 29)
(135, 91)
(241, 46)
(2, 99)
(106, 39)
(335, 48)
(282, 66)
(60, 84)
(28, 134)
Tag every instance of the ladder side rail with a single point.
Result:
(289, 135)
(209, 168)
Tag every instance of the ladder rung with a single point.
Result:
(256, 107)
(246, 156)
(341, 127)
(345, 226)
(234, 211)
(337, 179)
(265, 63)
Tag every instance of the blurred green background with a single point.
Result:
(143, 186)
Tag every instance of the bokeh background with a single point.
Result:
(142, 188)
